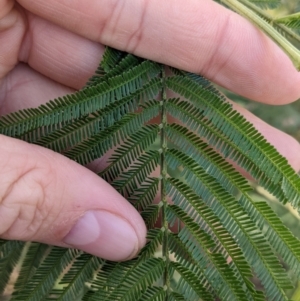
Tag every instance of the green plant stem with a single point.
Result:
(267, 28)
(163, 167)
(287, 31)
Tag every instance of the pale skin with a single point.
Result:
(50, 48)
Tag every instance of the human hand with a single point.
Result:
(49, 49)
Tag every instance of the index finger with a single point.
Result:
(195, 35)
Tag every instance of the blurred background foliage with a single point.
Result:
(288, 7)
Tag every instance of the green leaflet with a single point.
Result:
(263, 4)
(291, 21)
(266, 3)
(213, 238)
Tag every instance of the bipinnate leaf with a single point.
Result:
(169, 157)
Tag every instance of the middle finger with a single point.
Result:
(64, 57)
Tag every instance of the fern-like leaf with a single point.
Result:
(168, 157)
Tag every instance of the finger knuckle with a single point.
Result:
(5, 7)
(128, 30)
(219, 56)
(24, 206)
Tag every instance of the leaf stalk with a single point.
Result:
(163, 171)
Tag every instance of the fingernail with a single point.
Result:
(105, 235)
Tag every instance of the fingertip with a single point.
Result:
(278, 81)
(105, 235)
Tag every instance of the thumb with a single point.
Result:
(48, 198)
